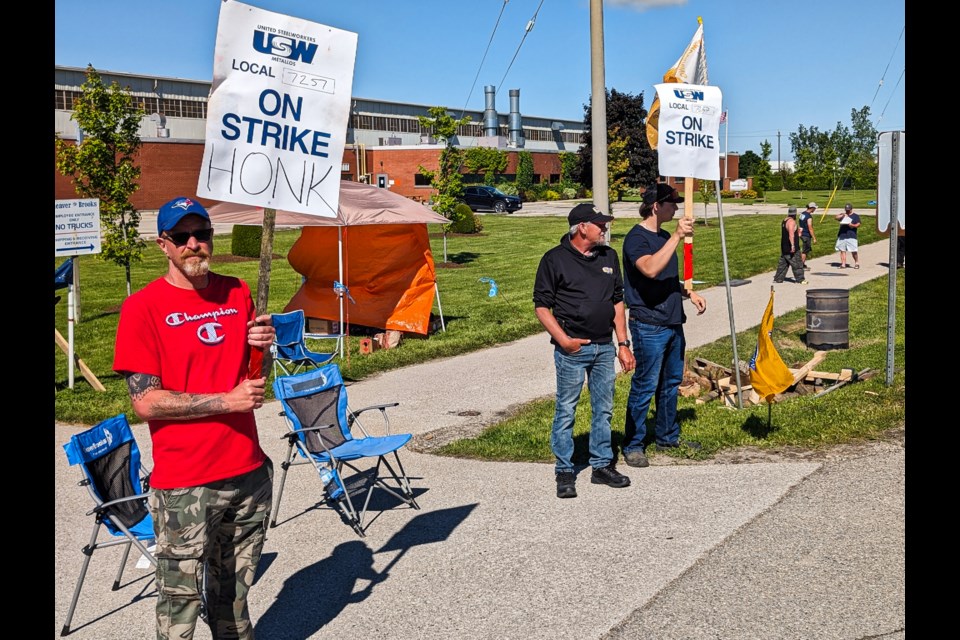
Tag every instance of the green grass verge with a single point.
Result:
(508, 250)
(859, 411)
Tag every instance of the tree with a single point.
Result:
(618, 164)
(568, 170)
(101, 165)
(707, 190)
(486, 160)
(625, 112)
(446, 179)
(827, 159)
(524, 173)
(749, 162)
(764, 176)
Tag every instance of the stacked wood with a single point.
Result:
(708, 381)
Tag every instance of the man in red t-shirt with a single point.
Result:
(184, 344)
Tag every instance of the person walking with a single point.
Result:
(184, 345)
(790, 249)
(578, 298)
(654, 296)
(807, 237)
(847, 236)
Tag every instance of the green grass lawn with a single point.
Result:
(859, 411)
(859, 198)
(508, 251)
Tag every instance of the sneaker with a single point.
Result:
(636, 459)
(566, 484)
(804, 282)
(856, 266)
(690, 444)
(609, 476)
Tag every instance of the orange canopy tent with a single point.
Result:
(376, 247)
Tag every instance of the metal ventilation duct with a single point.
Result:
(490, 121)
(514, 123)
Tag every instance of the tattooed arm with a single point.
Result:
(152, 402)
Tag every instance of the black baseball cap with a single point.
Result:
(661, 192)
(586, 212)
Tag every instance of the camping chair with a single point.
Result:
(289, 350)
(110, 469)
(314, 404)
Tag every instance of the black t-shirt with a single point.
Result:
(657, 301)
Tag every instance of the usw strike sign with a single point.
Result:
(688, 130)
(278, 110)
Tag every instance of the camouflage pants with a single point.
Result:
(209, 539)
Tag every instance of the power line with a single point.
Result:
(487, 50)
(888, 66)
(880, 117)
(526, 30)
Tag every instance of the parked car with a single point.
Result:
(490, 199)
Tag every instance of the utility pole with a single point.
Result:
(598, 110)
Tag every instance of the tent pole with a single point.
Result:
(440, 308)
(340, 280)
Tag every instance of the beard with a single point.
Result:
(196, 267)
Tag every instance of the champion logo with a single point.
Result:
(210, 333)
(178, 318)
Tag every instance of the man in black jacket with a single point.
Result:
(578, 298)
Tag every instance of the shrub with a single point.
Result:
(749, 193)
(550, 194)
(569, 193)
(508, 188)
(728, 194)
(245, 240)
(463, 220)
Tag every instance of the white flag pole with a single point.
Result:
(726, 147)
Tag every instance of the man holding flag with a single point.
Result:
(654, 296)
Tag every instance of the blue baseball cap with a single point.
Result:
(172, 212)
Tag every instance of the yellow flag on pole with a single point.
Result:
(768, 374)
(691, 68)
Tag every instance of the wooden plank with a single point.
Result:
(802, 371)
(84, 369)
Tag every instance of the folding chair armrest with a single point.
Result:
(292, 435)
(106, 505)
(382, 408)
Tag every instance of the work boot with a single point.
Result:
(566, 484)
(609, 476)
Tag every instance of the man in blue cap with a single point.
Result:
(184, 345)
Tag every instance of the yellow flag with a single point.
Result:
(691, 68)
(768, 374)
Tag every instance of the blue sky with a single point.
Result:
(778, 64)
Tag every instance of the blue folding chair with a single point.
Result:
(289, 349)
(315, 406)
(110, 469)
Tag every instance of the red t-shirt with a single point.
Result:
(195, 342)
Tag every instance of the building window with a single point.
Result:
(420, 180)
(554, 178)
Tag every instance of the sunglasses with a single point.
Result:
(183, 237)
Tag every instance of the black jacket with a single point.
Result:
(581, 290)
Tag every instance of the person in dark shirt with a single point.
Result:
(847, 236)
(578, 298)
(790, 257)
(654, 296)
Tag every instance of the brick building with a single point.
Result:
(385, 145)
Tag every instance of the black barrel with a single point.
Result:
(828, 313)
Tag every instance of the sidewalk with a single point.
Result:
(790, 549)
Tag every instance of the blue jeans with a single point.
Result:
(596, 361)
(659, 354)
